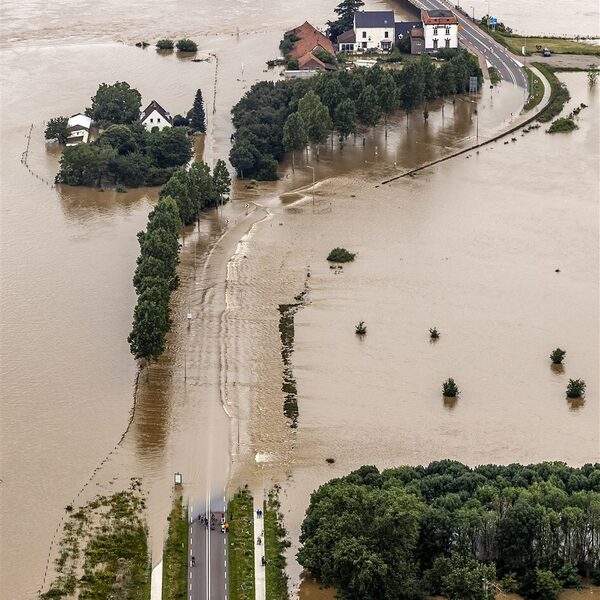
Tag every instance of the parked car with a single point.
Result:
(546, 52)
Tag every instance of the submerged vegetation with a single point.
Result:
(276, 580)
(562, 125)
(335, 102)
(360, 328)
(559, 95)
(240, 544)
(175, 554)
(450, 389)
(557, 356)
(449, 529)
(341, 255)
(103, 552)
(576, 388)
(536, 90)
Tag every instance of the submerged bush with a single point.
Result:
(165, 44)
(341, 255)
(557, 356)
(186, 45)
(562, 125)
(450, 389)
(576, 388)
(360, 328)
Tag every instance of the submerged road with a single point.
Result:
(472, 35)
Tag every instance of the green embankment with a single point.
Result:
(536, 90)
(558, 98)
(241, 546)
(556, 45)
(175, 555)
(275, 545)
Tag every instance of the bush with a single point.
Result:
(568, 576)
(180, 121)
(186, 45)
(324, 56)
(557, 356)
(341, 255)
(562, 125)
(293, 64)
(361, 328)
(576, 388)
(165, 44)
(434, 334)
(450, 389)
(509, 584)
(540, 585)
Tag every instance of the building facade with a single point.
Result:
(374, 30)
(440, 28)
(155, 115)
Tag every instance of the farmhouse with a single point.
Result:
(374, 30)
(440, 29)
(78, 127)
(155, 115)
(310, 47)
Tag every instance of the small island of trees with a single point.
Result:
(447, 529)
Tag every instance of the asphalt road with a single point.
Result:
(208, 577)
(495, 53)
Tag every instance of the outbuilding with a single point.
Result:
(78, 127)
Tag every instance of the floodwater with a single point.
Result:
(67, 378)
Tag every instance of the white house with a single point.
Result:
(440, 29)
(374, 30)
(78, 127)
(155, 115)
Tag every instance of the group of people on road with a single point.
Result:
(212, 522)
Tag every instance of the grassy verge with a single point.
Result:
(562, 125)
(103, 552)
(175, 555)
(240, 541)
(536, 90)
(495, 78)
(558, 98)
(275, 545)
(556, 45)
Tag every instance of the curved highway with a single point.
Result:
(472, 35)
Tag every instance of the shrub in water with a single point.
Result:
(450, 389)
(341, 255)
(434, 334)
(165, 44)
(361, 328)
(557, 356)
(576, 388)
(186, 45)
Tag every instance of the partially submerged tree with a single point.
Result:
(316, 119)
(360, 328)
(341, 255)
(450, 389)
(221, 181)
(186, 45)
(576, 388)
(557, 356)
(116, 103)
(57, 129)
(165, 44)
(197, 115)
(434, 334)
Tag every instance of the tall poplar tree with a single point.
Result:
(294, 135)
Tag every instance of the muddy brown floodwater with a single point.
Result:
(466, 247)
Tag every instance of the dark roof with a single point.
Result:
(440, 14)
(403, 29)
(348, 37)
(374, 18)
(155, 106)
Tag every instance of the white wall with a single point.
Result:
(373, 36)
(85, 133)
(441, 36)
(155, 119)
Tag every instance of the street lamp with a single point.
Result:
(313, 183)
(476, 118)
(473, 8)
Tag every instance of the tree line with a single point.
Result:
(273, 118)
(448, 529)
(125, 153)
(182, 198)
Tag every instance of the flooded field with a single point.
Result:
(67, 255)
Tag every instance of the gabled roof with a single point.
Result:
(310, 61)
(404, 29)
(79, 120)
(438, 17)
(155, 106)
(374, 18)
(348, 37)
(309, 39)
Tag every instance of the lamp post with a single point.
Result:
(473, 9)
(476, 119)
(313, 183)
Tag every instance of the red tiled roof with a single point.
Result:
(310, 61)
(438, 17)
(310, 39)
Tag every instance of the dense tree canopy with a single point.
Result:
(57, 129)
(116, 103)
(340, 100)
(345, 11)
(448, 529)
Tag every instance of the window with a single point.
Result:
(447, 30)
(386, 34)
(364, 34)
(158, 120)
(364, 44)
(435, 31)
(447, 42)
(151, 120)
(435, 44)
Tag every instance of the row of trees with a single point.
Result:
(448, 529)
(154, 279)
(273, 118)
(197, 189)
(126, 155)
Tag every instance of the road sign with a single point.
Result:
(493, 21)
(473, 84)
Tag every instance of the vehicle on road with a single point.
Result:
(546, 52)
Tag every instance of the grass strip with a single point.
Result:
(175, 554)
(103, 552)
(275, 544)
(495, 78)
(240, 540)
(559, 95)
(556, 45)
(536, 90)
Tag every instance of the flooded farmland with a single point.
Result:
(455, 247)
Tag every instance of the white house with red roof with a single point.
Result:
(440, 29)
(154, 115)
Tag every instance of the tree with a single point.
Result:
(186, 45)
(576, 388)
(57, 129)
(412, 88)
(368, 108)
(150, 325)
(316, 118)
(593, 75)
(450, 389)
(197, 117)
(468, 580)
(557, 356)
(119, 137)
(116, 103)
(386, 93)
(149, 267)
(294, 135)
(221, 181)
(178, 188)
(344, 118)
(169, 147)
(244, 156)
(345, 11)
(200, 186)
(164, 44)
(540, 585)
